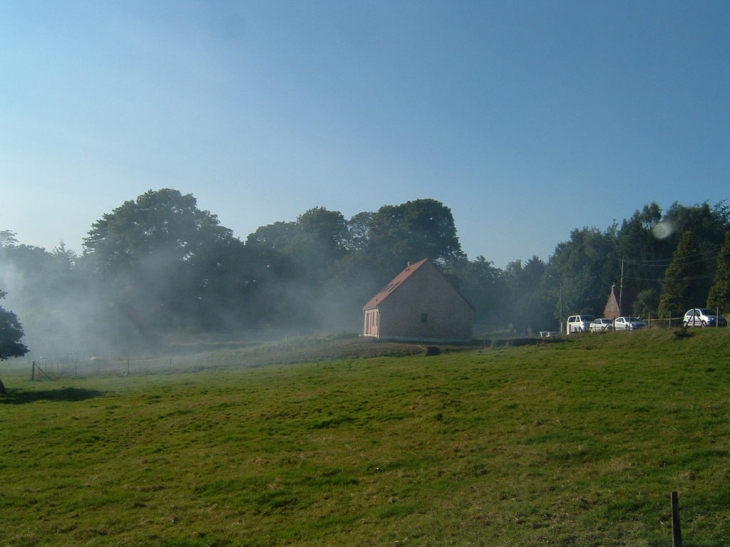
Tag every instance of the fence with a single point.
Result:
(55, 368)
(670, 322)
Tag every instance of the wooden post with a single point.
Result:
(32, 373)
(676, 530)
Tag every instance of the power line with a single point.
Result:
(659, 262)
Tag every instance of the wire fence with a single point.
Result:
(71, 366)
(675, 322)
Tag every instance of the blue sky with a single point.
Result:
(527, 119)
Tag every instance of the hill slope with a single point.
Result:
(577, 443)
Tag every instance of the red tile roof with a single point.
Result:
(393, 285)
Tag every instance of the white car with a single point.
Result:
(578, 323)
(628, 323)
(703, 317)
(600, 325)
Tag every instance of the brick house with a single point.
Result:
(420, 304)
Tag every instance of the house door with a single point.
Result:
(372, 323)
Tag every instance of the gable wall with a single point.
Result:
(449, 316)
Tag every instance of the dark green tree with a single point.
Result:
(358, 232)
(310, 274)
(719, 296)
(279, 237)
(324, 229)
(708, 224)
(585, 269)
(164, 224)
(644, 255)
(684, 281)
(528, 307)
(316, 239)
(646, 303)
(11, 332)
(320, 244)
(418, 229)
(483, 286)
(160, 262)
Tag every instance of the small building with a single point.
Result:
(420, 304)
(613, 306)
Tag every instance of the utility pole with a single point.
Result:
(561, 306)
(621, 288)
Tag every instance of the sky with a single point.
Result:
(528, 119)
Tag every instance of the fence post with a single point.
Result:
(32, 372)
(676, 530)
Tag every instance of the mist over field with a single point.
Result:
(158, 271)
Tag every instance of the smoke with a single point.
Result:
(66, 309)
(60, 311)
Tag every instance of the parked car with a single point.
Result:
(703, 317)
(628, 323)
(600, 325)
(578, 323)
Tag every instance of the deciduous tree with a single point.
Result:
(11, 332)
(587, 266)
(527, 305)
(418, 229)
(158, 259)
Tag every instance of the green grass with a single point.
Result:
(572, 444)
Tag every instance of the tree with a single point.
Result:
(719, 296)
(528, 306)
(586, 267)
(683, 285)
(308, 255)
(11, 332)
(158, 260)
(7, 238)
(483, 287)
(646, 303)
(161, 223)
(46, 290)
(358, 232)
(398, 234)
(644, 256)
(708, 225)
(319, 243)
(277, 236)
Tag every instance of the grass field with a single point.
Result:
(578, 443)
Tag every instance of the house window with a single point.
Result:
(424, 318)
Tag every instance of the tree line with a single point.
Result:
(158, 268)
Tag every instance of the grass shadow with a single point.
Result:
(67, 394)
